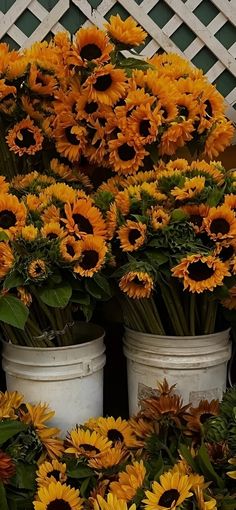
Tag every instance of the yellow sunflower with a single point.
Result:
(7, 98)
(41, 82)
(52, 230)
(213, 170)
(125, 155)
(232, 474)
(25, 138)
(196, 215)
(172, 490)
(53, 471)
(111, 503)
(106, 84)
(116, 430)
(4, 186)
(12, 215)
(70, 249)
(202, 503)
(84, 443)
(51, 213)
(10, 401)
(220, 223)
(82, 218)
(190, 188)
(70, 137)
(219, 138)
(201, 272)
(175, 136)
(137, 284)
(111, 220)
(6, 259)
(29, 232)
(93, 250)
(132, 235)
(112, 457)
(126, 32)
(57, 495)
(230, 201)
(142, 428)
(129, 481)
(37, 269)
(123, 201)
(90, 45)
(158, 217)
(59, 192)
(144, 122)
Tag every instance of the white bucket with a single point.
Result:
(196, 364)
(69, 379)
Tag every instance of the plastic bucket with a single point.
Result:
(196, 364)
(69, 379)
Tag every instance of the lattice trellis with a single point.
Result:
(204, 31)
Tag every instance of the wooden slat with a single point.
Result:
(40, 12)
(12, 14)
(227, 8)
(48, 22)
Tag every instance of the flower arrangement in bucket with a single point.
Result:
(169, 455)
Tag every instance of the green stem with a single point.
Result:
(211, 317)
(192, 314)
(204, 310)
(179, 308)
(171, 309)
(153, 320)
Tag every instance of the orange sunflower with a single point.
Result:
(12, 214)
(106, 84)
(70, 137)
(84, 443)
(25, 138)
(129, 481)
(83, 218)
(126, 32)
(93, 250)
(219, 138)
(197, 416)
(196, 215)
(6, 259)
(132, 235)
(90, 45)
(201, 272)
(159, 218)
(137, 284)
(70, 250)
(190, 188)
(126, 156)
(40, 82)
(220, 223)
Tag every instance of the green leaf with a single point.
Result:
(80, 472)
(134, 63)
(215, 197)
(9, 428)
(81, 298)
(184, 450)
(102, 282)
(3, 236)
(153, 151)
(13, 311)
(3, 499)
(87, 311)
(207, 468)
(228, 503)
(178, 215)
(83, 487)
(13, 279)
(156, 256)
(25, 476)
(58, 296)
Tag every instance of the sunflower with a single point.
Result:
(31, 107)
(12, 215)
(64, 172)
(111, 503)
(90, 45)
(212, 170)
(137, 284)
(70, 137)
(158, 217)
(201, 272)
(53, 471)
(51, 213)
(7, 467)
(112, 457)
(93, 250)
(220, 223)
(40, 82)
(84, 443)
(142, 428)
(196, 215)
(4, 186)
(24, 295)
(129, 481)
(132, 235)
(232, 474)
(106, 84)
(82, 218)
(190, 188)
(197, 416)
(10, 402)
(163, 408)
(172, 490)
(29, 232)
(230, 201)
(7, 98)
(52, 230)
(123, 201)
(226, 250)
(111, 220)
(125, 155)
(125, 32)
(202, 504)
(59, 192)
(116, 430)
(25, 138)
(144, 122)
(58, 496)
(70, 249)
(175, 136)
(219, 138)
(37, 269)
(6, 259)
(230, 301)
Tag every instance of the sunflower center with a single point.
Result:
(52, 235)
(58, 504)
(165, 112)
(90, 259)
(226, 253)
(134, 234)
(159, 219)
(70, 250)
(147, 163)
(205, 416)
(26, 138)
(103, 82)
(138, 282)
(115, 435)
(198, 271)
(219, 226)
(90, 52)
(38, 269)
(144, 127)
(208, 108)
(126, 152)
(91, 107)
(83, 223)
(196, 219)
(183, 111)
(89, 448)
(54, 473)
(71, 137)
(168, 498)
(7, 219)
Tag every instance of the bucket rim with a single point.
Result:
(176, 337)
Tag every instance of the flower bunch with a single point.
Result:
(172, 231)
(169, 455)
(53, 246)
(84, 102)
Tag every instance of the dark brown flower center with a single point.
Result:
(90, 259)
(90, 52)
(219, 226)
(52, 235)
(54, 473)
(134, 234)
(205, 416)
(91, 107)
(126, 152)
(38, 269)
(7, 219)
(226, 253)
(27, 138)
(71, 137)
(199, 271)
(58, 504)
(165, 113)
(168, 498)
(115, 435)
(208, 108)
(89, 448)
(138, 282)
(83, 223)
(70, 250)
(196, 219)
(183, 111)
(144, 127)
(103, 82)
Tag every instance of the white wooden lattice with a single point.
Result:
(183, 13)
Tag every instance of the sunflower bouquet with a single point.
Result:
(169, 455)
(172, 231)
(53, 246)
(92, 107)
